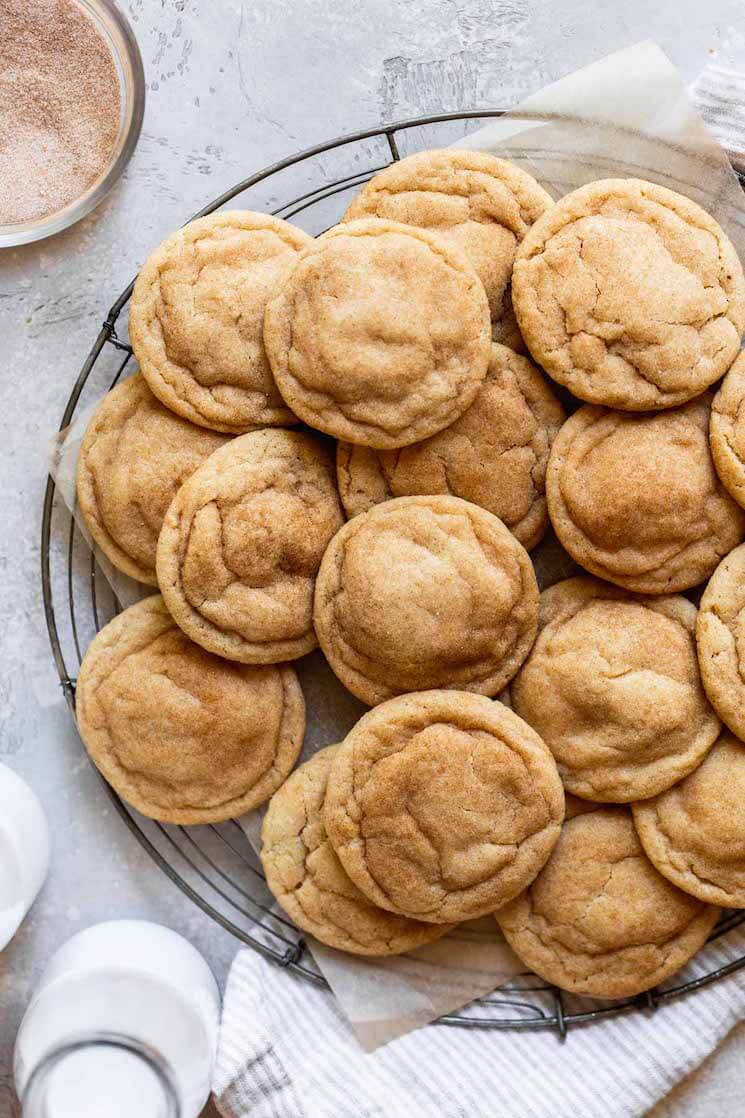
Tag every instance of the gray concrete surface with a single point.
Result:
(233, 86)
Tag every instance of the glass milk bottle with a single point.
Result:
(123, 1023)
(24, 851)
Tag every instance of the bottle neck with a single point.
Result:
(101, 1074)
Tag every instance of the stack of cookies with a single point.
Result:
(571, 760)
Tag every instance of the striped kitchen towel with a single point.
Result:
(719, 95)
(287, 1051)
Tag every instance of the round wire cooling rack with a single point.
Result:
(215, 865)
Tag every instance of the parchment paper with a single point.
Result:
(625, 116)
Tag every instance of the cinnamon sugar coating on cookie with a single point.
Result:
(727, 431)
(242, 542)
(630, 295)
(306, 877)
(495, 455)
(184, 736)
(695, 832)
(635, 498)
(196, 318)
(720, 638)
(612, 685)
(479, 203)
(135, 456)
(380, 335)
(442, 805)
(599, 919)
(424, 592)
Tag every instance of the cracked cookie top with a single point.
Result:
(306, 877)
(727, 431)
(443, 805)
(380, 335)
(635, 499)
(241, 544)
(134, 457)
(720, 637)
(476, 202)
(599, 919)
(630, 295)
(695, 832)
(182, 735)
(612, 686)
(424, 592)
(196, 318)
(495, 455)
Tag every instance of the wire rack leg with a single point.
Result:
(650, 999)
(293, 955)
(561, 1024)
(391, 137)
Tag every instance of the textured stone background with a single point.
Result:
(231, 87)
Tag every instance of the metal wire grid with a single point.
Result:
(215, 865)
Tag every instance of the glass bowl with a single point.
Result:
(116, 31)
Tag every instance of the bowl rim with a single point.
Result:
(116, 30)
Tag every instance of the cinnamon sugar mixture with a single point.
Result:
(59, 106)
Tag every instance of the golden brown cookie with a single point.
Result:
(495, 455)
(720, 638)
(380, 335)
(630, 295)
(182, 735)
(635, 499)
(476, 202)
(443, 805)
(196, 318)
(305, 875)
(242, 542)
(424, 592)
(695, 832)
(599, 919)
(727, 431)
(612, 686)
(134, 457)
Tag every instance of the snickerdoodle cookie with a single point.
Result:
(424, 592)
(134, 457)
(636, 499)
(727, 431)
(695, 832)
(241, 544)
(612, 686)
(380, 335)
(196, 318)
(599, 919)
(443, 805)
(720, 637)
(495, 455)
(305, 875)
(182, 735)
(480, 204)
(630, 295)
